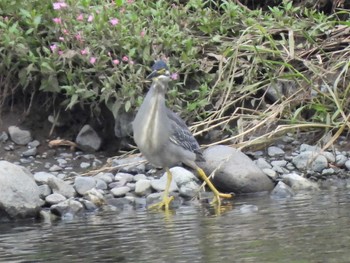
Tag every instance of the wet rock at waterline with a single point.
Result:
(19, 194)
(235, 171)
(297, 182)
(282, 190)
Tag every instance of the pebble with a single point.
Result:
(181, 176)
(120, 191)
(30, 152)
(275, 151)
(84, 165)
(131, 164)
(25, 160)
(143, 187)
(280, 163)
(159, 184)
(328, 171)
(44, 190)
(270, 173)
(83, 184)
(347, 165)
(329, 156)
(282, 190)
(131, 186)
(340, 160)
(297, 182)
(67, 209)
(100, 184)
(124, 176)
(62, 162)
(55, 168)
(53, 199)
(263, 164)
(138, 177)
(3, 137)
(33, 144)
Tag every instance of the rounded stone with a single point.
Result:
(120, 191)
(84, 184)
(275, 151)
(143, 187)
(53, 199)
(235, 171)
(19, 136)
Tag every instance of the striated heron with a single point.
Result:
(163, 137)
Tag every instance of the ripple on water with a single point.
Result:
(306, 228)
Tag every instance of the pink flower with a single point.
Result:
(174, 76)
(114, 21)
(92, 60)
(125, 59)
(53, 47)
(131, 62)
(57, 20)
(130, 1)
(116, 61)
(84, 51)
(60, 52)
(78, 36)
(59, 5)
(65, 31)
(80, 17)
(143, 33)
(90, 18)
(61, 38)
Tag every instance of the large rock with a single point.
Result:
(18, 136)
(88, 139)
(235, 171)
(19, 194)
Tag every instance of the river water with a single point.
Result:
(306, 228)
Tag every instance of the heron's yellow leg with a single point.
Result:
(166, 198)
(217, 194)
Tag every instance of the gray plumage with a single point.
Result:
(161, 135)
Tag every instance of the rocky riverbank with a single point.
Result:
(54, 183)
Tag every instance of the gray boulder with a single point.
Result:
(18, 136)
(19, 194)
(234, 171)
(88, 139)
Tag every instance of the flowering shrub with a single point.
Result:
(93, 52)
(89, 51)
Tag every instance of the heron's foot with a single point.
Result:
(164, 203)
(218, 196)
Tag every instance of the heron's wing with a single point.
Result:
(181, 135)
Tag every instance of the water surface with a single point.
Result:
(306, 228)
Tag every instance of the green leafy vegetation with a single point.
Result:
(228, 58)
